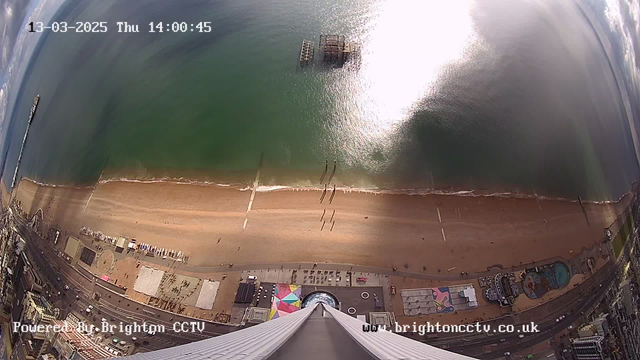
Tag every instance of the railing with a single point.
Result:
(387, 345)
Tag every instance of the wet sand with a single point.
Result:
(285, 226)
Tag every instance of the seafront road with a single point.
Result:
(118, 307)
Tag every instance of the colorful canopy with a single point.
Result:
(286, 300)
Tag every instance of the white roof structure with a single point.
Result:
(264, 340)
(470, 294)
(207, 295)
(387, 345)
(72, 246)
(120, 242)
(148, 280)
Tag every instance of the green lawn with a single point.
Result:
(623, 234)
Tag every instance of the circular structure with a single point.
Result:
(105, 261)
(364, 295)
(320, 297)
(351, 310)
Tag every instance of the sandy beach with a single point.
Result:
(383, 230)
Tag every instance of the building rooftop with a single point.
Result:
(588, 339)
(258, 315)
(85, 346)
(41, 304)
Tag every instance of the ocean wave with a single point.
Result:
(167, 180)
(57, 185)
(344, 189)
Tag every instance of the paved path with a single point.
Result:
(111, 303)
(347, 267)
(444, 276)
(110, 307)
(591, 296)
(582, 298)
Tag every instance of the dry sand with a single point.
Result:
(284, 226)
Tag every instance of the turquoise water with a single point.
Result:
(493, 95)
(562, 274)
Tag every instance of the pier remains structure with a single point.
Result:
(306, 53)
(352, 53)
(332, 46)
(336, 51)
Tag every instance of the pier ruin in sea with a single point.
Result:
(306, 52)
(336, 51)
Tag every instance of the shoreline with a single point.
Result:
(361, 228)
(345, 189)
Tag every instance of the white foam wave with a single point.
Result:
(345, 189)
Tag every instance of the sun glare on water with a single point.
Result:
(405, 45)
